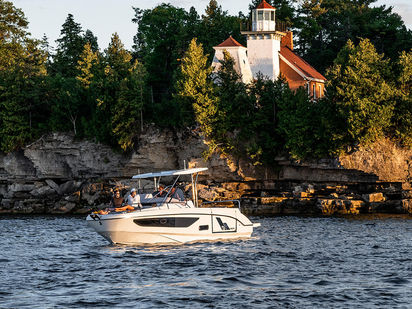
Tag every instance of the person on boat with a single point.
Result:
(177, 193)
(117, 200)
(133, 200)
(161, 192)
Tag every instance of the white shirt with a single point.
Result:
(133, 201)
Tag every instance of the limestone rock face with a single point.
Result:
(384, 159)
(60, 174)
(61, 156)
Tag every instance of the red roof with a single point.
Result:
(265, 5)
(300, 64)
(230, 42)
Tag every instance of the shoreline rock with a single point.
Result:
(61, 175)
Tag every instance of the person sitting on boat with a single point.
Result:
(177, 193)
(117, 200)
(132, 202)
(161, 192)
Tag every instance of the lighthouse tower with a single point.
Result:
(263, 42)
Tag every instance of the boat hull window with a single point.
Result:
(166, 222)
(203, 227)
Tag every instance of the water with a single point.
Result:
(54, 262)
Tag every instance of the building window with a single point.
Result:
(267, 15)
(308, 87)
(272, 16)
(260, 15)
(320, 91)
(314, 91)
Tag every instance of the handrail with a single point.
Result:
(212, 202)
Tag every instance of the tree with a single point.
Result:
(364, 99)
(128, 108)
(90, 38)
(13, 23)
(262, 142)
(22, 71)
(159, 43)
(69, 48)
(402, 120)
(216, 26)
(194, 88)
(123, 95)
(324, 27)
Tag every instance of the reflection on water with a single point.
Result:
(291, 262)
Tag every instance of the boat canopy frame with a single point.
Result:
(189, 171)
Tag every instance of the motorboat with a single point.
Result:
(168, 220)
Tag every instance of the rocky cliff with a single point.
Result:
(59, 174)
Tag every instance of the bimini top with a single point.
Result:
(171, 173)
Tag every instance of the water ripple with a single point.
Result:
(55, 262)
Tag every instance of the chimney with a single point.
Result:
(287, 40)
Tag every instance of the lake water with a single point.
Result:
(291, 262)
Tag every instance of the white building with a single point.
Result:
(270, 52)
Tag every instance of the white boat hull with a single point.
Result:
(166, 224)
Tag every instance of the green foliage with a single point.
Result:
(112, 89)
(22, 72)
(193, 88)
(305, 125)
(262, 143)
(235, 118)
(159, 43)
(13, 23)
(90, 38)
(162, 38)
(106, 95)
(217, 25)
(69, 47)
(402, 120)
(364, 99)
(324, 27)
(128, 107)
(233, 107)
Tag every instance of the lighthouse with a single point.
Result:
(269, 52)
(263, 41)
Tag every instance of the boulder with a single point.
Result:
(53, 185)
(69, 187)
(373, 197)
(43, 192)
(62, 207)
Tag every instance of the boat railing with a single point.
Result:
(223, 201)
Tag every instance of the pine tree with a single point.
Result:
(195, 90)
(124, 94)
(69, 48)
(90, 38)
